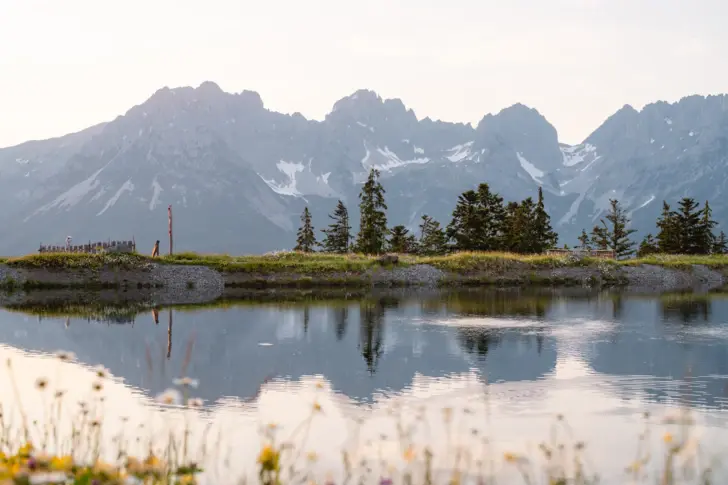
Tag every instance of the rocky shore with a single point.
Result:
(166, 284)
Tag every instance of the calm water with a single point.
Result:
(506, 362)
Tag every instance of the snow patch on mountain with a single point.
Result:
(460, 152)
(72, 196)
(384, 159)
(418, 150)
(530, 168)
(576, 154)
(128, 186)
(570, 215)
(365, 126)
(157, 189)
(289, 169)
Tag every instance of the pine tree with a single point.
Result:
(433, 240)
(618, 234)
(491, 216)
(401, 241)
(649, 245)
(668, 236)
(464, 227)
(373, 223)
(705, 238)
(687, 220)
(720, 246)
(544, 236)
(584, 241)
(600, 238)
(306, 239)
(338, 235)
(519, 227)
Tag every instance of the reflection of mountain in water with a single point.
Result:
(228, 358)
(380, 343)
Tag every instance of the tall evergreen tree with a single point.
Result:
(720, 245)
(433, 240)
(465, 224)
(373, 223)
(668, 237)
(519, 227)
(306, 238)
(584, 241)
(705, 238)
(338, 235)
(401, 241)
(491, 216)
(649, 245)
(544, 236)
(687, 219)
(600, 238)
(616, 232)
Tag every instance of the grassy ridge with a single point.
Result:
(324, 263)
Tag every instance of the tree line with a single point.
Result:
(480, 222)
(688, 229)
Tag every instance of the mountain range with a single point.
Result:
(239, 175)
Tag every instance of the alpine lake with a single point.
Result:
(482, 384)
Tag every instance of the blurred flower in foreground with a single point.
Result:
(186, 382)
(169, 397)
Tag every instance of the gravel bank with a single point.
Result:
(166, 284)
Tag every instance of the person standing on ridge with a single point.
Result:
(155, 251)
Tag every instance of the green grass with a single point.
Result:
(343, 266)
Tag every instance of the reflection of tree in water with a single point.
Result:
(478, 340)
(341, 321)
(306, 318)
(685, 308)
(617, 306)
(371, 332)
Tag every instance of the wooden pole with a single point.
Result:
(169, 214)
(169, 335)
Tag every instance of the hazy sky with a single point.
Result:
(65, 65)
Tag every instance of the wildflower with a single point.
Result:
(667, 438)
(312, 456)
(97, 386)
(41, 383)
(194, 402)
(65, 356)
(95, 423)
(101, 372)
(59, 393)
(269, 458)
(319, 385)
(169, 397)
(186, 382)
(385, 481)
(272, 426)
(409, 454)
(510, 457)
(61, 462)
(317, 407)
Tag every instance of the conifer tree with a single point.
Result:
(705, 238)
(615, 235)
(649, 245)
(668, 236)
(600, 238)
(401, 241)
(687, 220)
(433, 240)
(373, 223)
(465, 224)
(720, 245)
(584, 241)
(491, 216)
(544, 236)
(519, 227)
(338, 235)
(306, 239)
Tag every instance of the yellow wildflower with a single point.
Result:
(26, 449)
(316, 406)
(409, 454)
(312, 456)
(510, 457)
(667, 438)
(62, 462)
(269, 458)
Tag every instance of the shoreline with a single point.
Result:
(191, 279)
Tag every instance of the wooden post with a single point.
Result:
(169, 335)
(169, 214)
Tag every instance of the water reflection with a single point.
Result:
(603, 357)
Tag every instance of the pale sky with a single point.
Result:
(68, 64)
